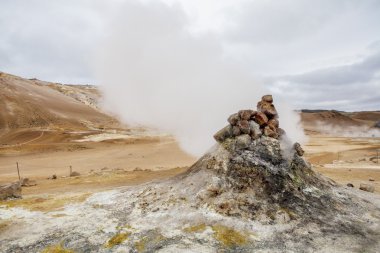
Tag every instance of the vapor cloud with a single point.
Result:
(157, 73)
(348, 131)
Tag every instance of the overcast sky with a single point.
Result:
(317, 54)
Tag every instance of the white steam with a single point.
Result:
(156, 73)
(347, 131)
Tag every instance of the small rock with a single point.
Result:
(12, 190)
(246, 114)
(233, 119)
(261, 118)
(243, 126)
(54, 177)
(282, 217)
(298, 149)
(243, 141)
(223, 134)
(26, 182)
(371, 179)
(255, 131)
(268, 131)
(74, 174)
(267, 108)
(350, 185)
(236, 131)
(267, 98)
(273, 123)
(367, 187)
(281, 132)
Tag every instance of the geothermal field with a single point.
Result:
(74, 178)
(170, 126)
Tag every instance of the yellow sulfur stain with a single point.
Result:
(117, 239)
(56, 249)
(45, 204)
(228, 236)
(195, 229)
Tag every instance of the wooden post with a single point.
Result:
(71, 170)
(18, 172)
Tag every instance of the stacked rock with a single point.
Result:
(264, 121)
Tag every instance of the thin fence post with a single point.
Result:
(71, 170)
(18, 172)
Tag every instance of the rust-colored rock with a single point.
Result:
(261, 119)
(267, 98)
(270, 133)
(246, 114)
(273, 123)
(243, 126)
(267, 108)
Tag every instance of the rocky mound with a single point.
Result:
(253, 192)
(259, 174)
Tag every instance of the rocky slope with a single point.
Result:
(30, 104)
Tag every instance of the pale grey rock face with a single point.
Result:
(243, 141)
(233, 119)
(223, 133)
(254, 130)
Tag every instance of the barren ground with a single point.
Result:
(105, 164)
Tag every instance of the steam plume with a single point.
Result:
(156, 73)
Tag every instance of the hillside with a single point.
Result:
(38, 112)
(34, 104)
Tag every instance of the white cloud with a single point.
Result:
(273, 40)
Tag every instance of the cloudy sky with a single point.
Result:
(317, 54)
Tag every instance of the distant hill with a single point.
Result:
(34, 111)
(28, 103)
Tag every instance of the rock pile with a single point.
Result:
(12, 190)
(253, 124)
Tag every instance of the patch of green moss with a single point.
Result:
(228, 236)
(195, 229)
(59, 248)
(117, 239)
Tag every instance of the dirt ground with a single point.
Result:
(103, 164)
(106, 163)
(346, 160)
